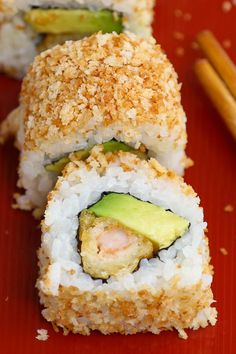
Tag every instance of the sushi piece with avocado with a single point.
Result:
(123, 249)
(111, 89)
(119, 231)
(28, 27)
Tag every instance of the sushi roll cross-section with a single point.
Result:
(28, 27)
(123, 249)
(115, 89)
(118, 231)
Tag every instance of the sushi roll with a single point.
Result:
(7, 10)
(31, 26)
(123, 249)
(116, 88)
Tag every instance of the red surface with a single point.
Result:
(213, 176)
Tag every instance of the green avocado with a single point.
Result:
(57, 21)
(160, 226)
(113, 146)
(58, 165)
(109, 146)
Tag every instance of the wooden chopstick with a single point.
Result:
(218, 93)
(218, 58)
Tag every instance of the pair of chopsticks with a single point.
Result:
(217, 75)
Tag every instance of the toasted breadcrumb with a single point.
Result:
(188, 162)
(223, 251)
(178, 35)
(182, 334)
(194, 45)
(187, 17)
(7, 9)
(144, 310)
(227, 43)
(178, 13)
(226, 6)
(72, 84)
(54, 326)
(42, 334)
(179, 52)
(157, 166)
(229, 208)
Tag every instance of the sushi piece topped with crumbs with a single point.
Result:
(115, 89)
(123, 249)
(31, 26)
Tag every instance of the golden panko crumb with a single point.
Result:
(227, 43)
(145, 310)
(42, 334)
(54, 326)
(178, 35)
(182, 334)
(158, 167)
(7, 8)
(229, 208)
(180, 52)
(194, 45)
(223, 251)
(187, 17)
(99, 81)
(188, 162)
(178, 13)
(226, 6)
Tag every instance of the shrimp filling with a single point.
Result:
(108, 248)
(120, 230)
(113, 241)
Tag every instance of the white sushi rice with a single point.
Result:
(18, 42)
(17, 47)
(38, 182)
(81, 187)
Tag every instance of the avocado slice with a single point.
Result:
(109, 146)
(160, 226)
(57, 21)
(58, 165)
(113, 146)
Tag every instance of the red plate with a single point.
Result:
(213, 176)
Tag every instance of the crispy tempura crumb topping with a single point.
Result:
(101, 80)
(42, 334)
